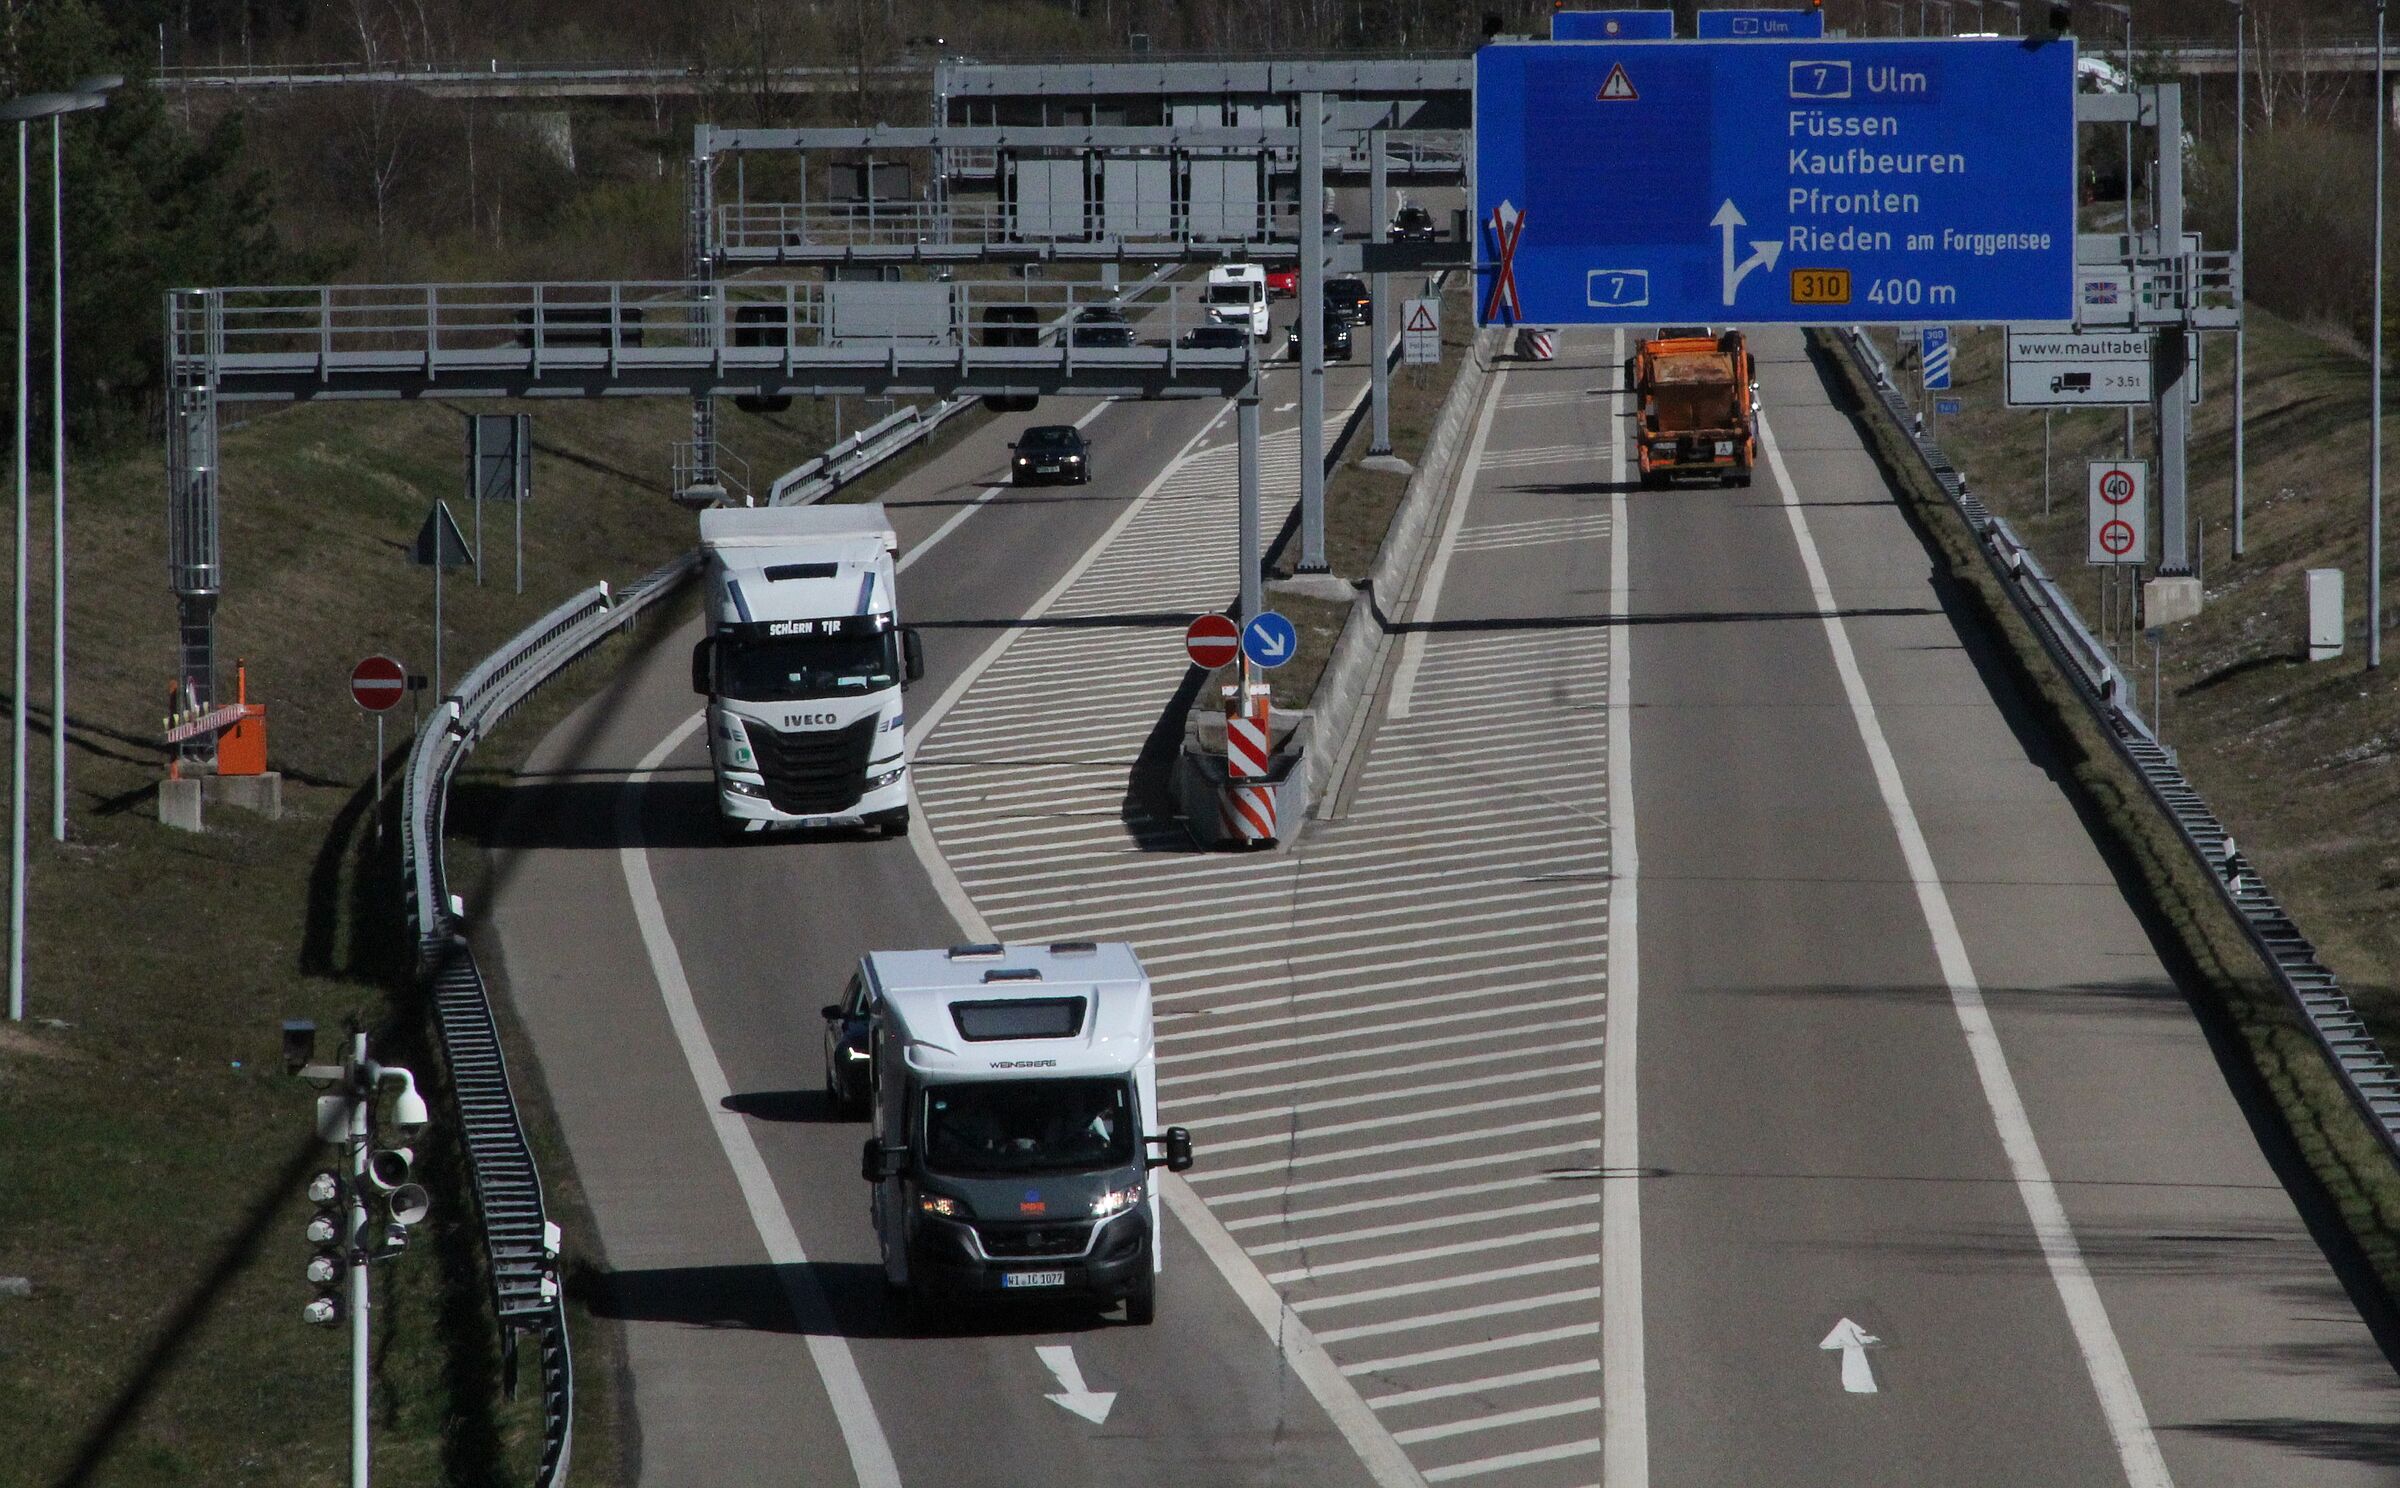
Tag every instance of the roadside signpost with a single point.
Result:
(1211, 641)
(1421, 332)
(1761, 25)
(2120, 513)
(1815, 182)
(2063, 370)
(377, 684)
(1613, 25)
(1933, 353)
(440, 545)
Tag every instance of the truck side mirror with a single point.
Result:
(831, 1010)
(702, 683)
(912, 655)
(881, 1160)
(1178, 1142)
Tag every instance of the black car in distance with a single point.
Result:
(1214, 338)
(1351, 299)
(848, 1065)
(1337, 336)
(1050, 455)
(1413, 225)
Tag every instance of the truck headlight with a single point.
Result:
(745, 788)
(943, 1205)
(878, 782)
(1116, 1199)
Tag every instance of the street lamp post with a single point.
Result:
(2126, 12)
(93, 92)
(2241, 248)
(2383, 127)
(22, 111)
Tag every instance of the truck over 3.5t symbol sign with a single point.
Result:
(1831, 182)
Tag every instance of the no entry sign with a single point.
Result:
(378, 683)
(2120, 512)
(1211, 641)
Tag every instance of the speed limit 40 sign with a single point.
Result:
(2120, 512)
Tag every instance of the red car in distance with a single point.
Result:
(1283, 283)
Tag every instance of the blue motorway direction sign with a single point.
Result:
(1760, 25)
(1794, 182)
(1269, 640)
(1947, 407)
(1934, 352)
(1613, 25)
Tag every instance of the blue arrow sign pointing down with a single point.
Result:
(1269, 640)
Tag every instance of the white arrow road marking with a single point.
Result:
(1763, 251)
(1092, 1405)
(1852, 1340)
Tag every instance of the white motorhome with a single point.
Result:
(1237, 295)
(1014, 1094)
(803, 666)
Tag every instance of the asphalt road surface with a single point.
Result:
(1701, 1045)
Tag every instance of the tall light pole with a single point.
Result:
(23, 111)
(2383, 127)
(2131, 247)
(2241, 248)
(92, 93)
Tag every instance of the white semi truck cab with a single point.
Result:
(803, 666)
(1015, 1102)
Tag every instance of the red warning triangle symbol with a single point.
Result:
(1421, 321)
(1618, 88)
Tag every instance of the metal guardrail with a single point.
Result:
(2311, 987)
(815, 479)
(520, 1243)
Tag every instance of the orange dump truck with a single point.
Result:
(1697, 403)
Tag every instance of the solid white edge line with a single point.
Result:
(1307, 1359)
(2087, 1317)
(1310, 1364)
(1412, 649)
(853, 1409)
(1625, 1422)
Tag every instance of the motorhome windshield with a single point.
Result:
(989, 1128)
(785, 669)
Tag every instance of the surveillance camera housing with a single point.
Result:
(409, 1113)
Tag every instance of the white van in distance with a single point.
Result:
(1014, 1091)
(1237, 295)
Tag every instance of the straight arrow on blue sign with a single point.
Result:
(1811, 182)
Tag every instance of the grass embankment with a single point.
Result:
(1360, 502)
(2296, 758)
(154, 1152)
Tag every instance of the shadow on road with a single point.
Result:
(761, 1298)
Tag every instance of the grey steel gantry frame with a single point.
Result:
(284, 344)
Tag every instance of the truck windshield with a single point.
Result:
(788, 668)
(997, 1127)
(1238, 293)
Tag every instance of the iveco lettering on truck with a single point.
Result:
(1697, 406)
(803, 665)
(1014, 1091)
